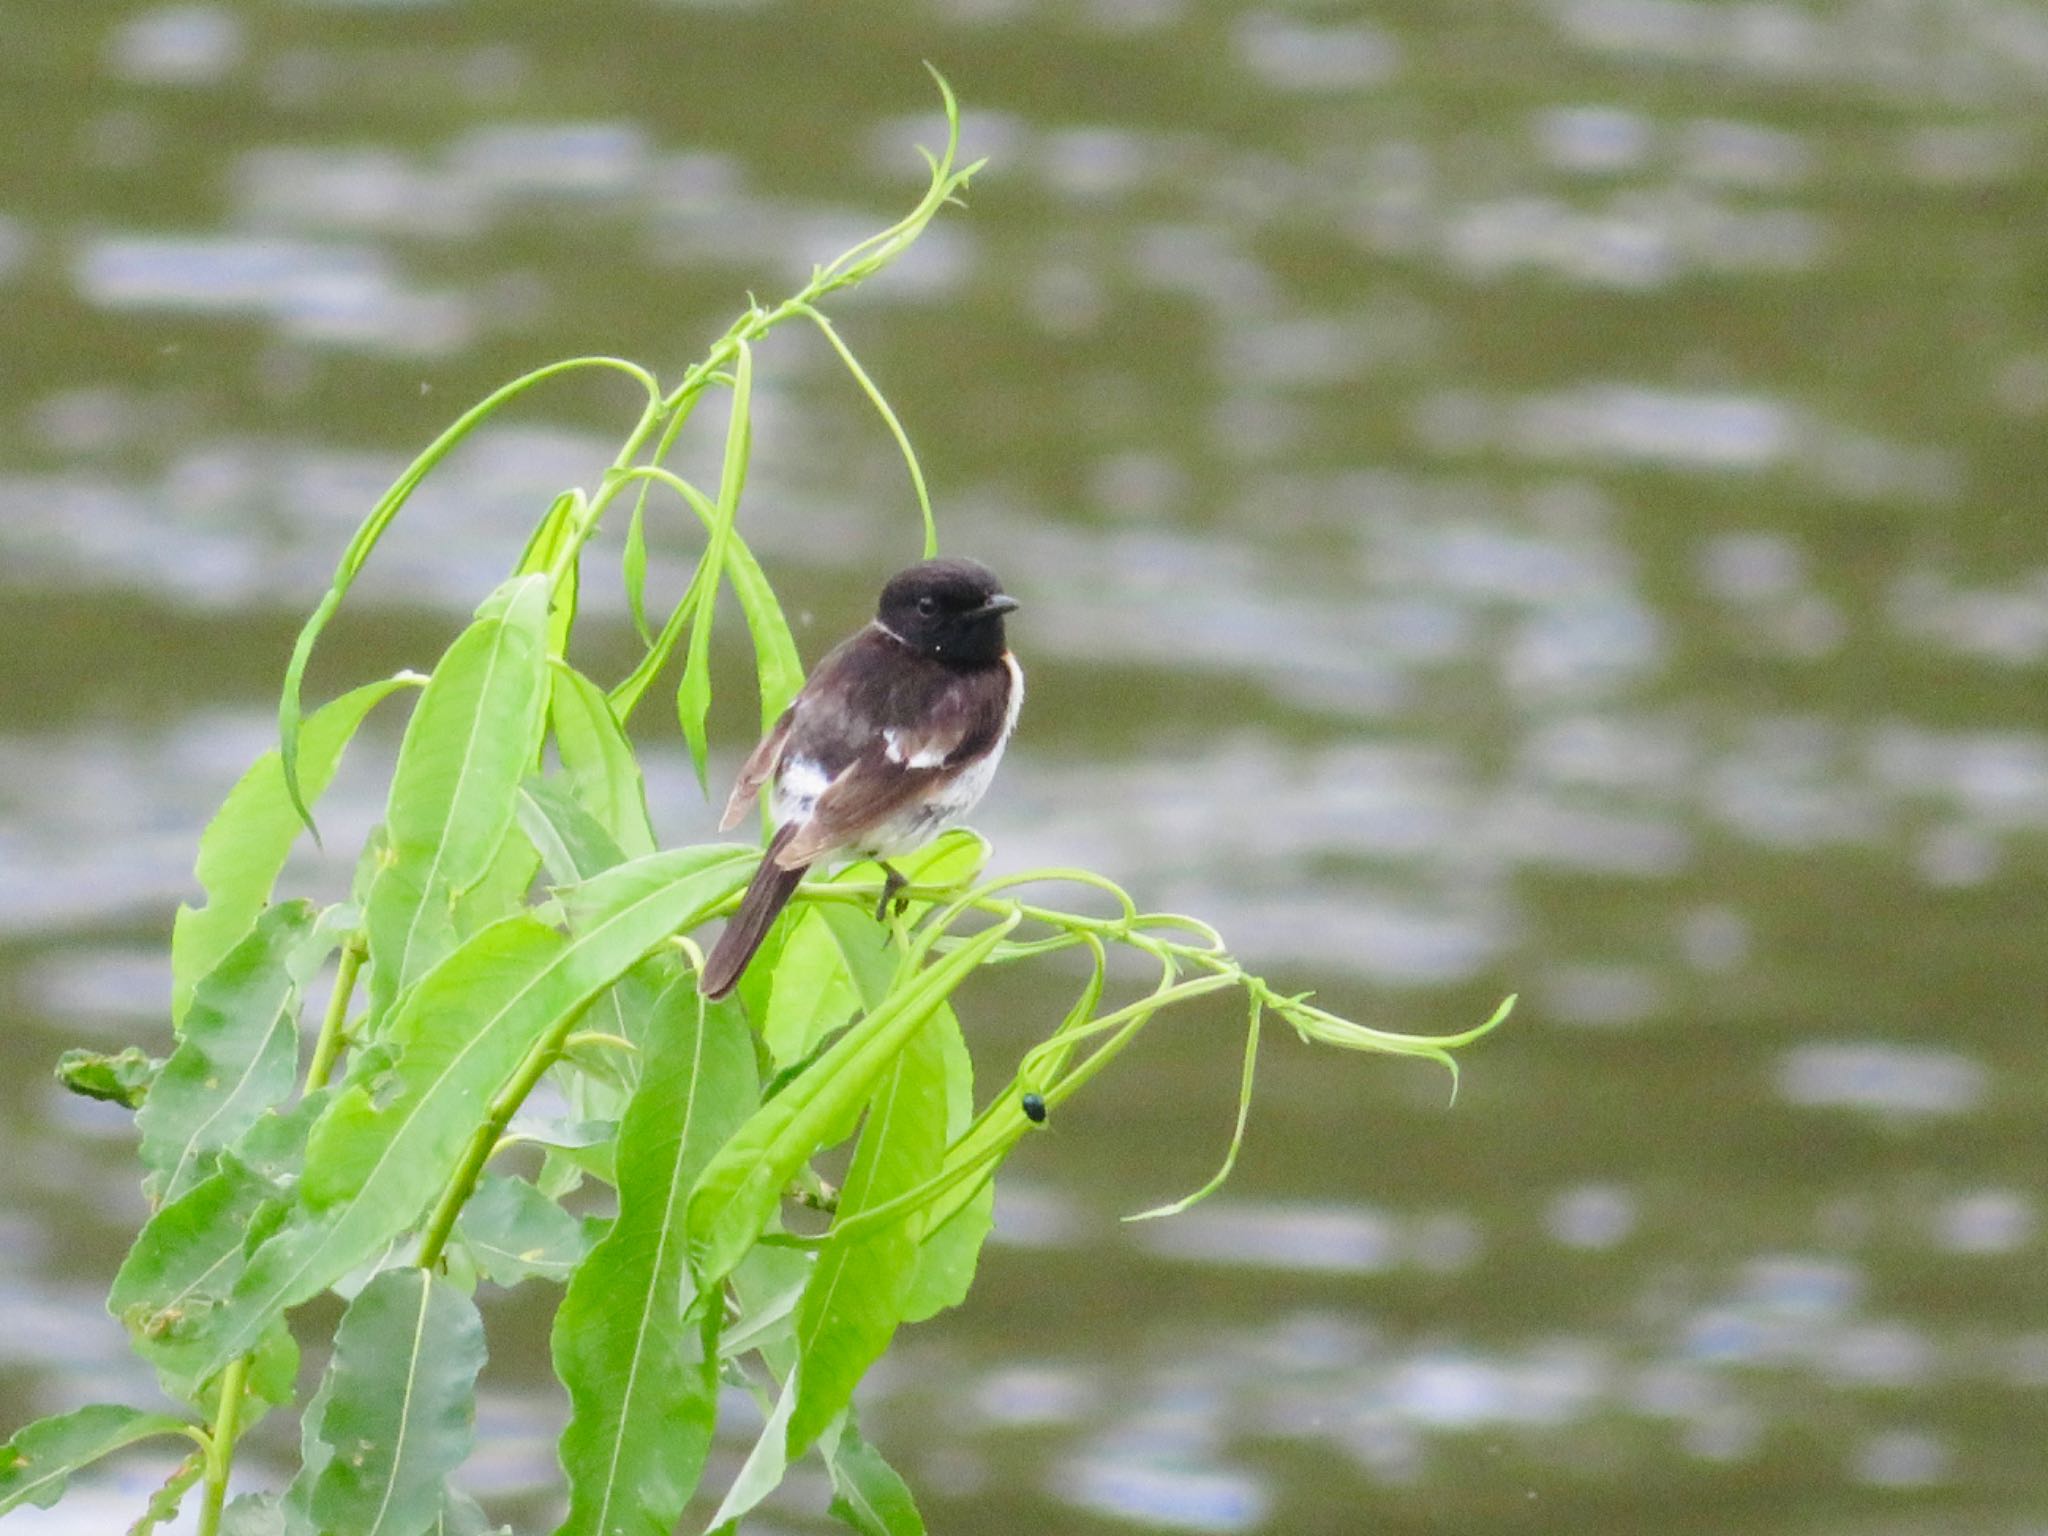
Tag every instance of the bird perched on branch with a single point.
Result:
(894, 738)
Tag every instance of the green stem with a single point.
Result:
(220, 1454)
(327, 1047)
(485, 1140)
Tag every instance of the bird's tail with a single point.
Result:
(766, 896)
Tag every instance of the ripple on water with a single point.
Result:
(1883, 1078)
(1199, 1496)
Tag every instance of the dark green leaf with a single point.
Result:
(740, 1190)
(37, 1462)
(599, 762)
(867, 1493)
(855, 1299)
(237, 1055)
(643, 1385)
(473, 736)
(390, 1139)
(122, 1078)
(401, 1412)
(191, 1251)
(246, 844)
(516, 1233)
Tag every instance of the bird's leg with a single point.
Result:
(892, 882)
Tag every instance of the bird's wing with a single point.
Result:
(950, 724)
(755, 771)
(867, 793)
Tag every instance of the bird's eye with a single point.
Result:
(927, 605)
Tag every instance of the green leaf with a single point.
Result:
(947, 1256)
(835, 958)
(37, 1462)
(573, 844)
(642, 1377)
(191, 1250)
(402, 1409)
(169, 1495)
(246, 844)
(390, 1139)
(763, 1470)
(633, 567)
(372, 529)
(693, 696)
(768, 1284)
(121, 1078)
(257, 1514)
(473, 736)
(739, 1191)
(504, 887)
(779, 668)
(463, 1516)
(813, 992)
(599, 761)
(516, 1233)
(867, 1493)
(855, 1298)
(551, 536)
(237, 1055)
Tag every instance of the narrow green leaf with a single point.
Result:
(289, 728)
(813, 992)
(402, 1409)
(633, 567)
(390, 1139)
(551, 536)
(237, 1055)
(855, 1298)
(949, 1250)
(643, 1378)
(121, 1077)
(516, 1233)
(1244, 1109)
(473, 736)
(598, 760)
(693, 696)
(763, 1470)
(867, 1493)
(738, 1193)
(37, 1462)
(768, 1283)
(778, 667)
(834, 958)
(247, 842)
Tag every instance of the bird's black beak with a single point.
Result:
(1002, 602)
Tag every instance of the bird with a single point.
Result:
(895, 736)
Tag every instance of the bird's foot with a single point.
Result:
(892, 884)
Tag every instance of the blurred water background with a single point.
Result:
(1507, 496)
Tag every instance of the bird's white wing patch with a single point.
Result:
(797, 788)
(921, 755)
